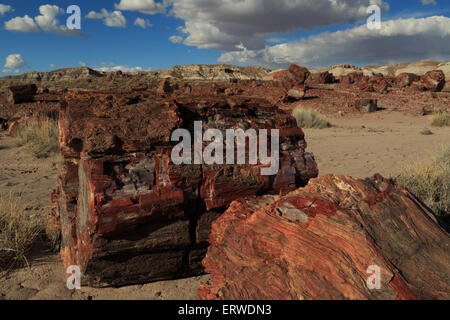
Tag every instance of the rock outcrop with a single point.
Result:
(293, 76)
(329, 240)
(320, 78)
(124, 212)
(404, 80)
(221, 72)
(21, 94)
(434, 80)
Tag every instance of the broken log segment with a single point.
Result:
(125, 213)
(337, 238)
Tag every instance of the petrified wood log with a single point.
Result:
(125, 212)
(319, 243)
(21, 94)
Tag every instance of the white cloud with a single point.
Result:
(5, 9)
(397, 41)
(110, 19)
(10, 71)
(14, 61)
(52, 65)
(143, 6)
(47, 21)
(223, 24)
(112, 67)
(143, 23)
(22, 24)
(427, 2)
(176, 39)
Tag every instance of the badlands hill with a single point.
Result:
(190, 72)
(419, 68)
(86, 79)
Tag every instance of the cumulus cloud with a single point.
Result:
(14, 62)
(397, 41)
(5, 9)
(176, 39)
(112, 67)
(223, 24)
(110, 19)
(427, 2)
(22, 24)
(143, 23)
(143, 6)
(47, 21)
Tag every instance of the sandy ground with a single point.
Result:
(359, 146)
(380, 142)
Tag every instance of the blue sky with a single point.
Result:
(224, 32)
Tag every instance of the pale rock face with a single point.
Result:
(419, 68)
(213, 72)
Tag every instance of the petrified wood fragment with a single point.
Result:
(320, 242)
(127, 214)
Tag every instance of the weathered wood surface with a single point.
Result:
(318, 243)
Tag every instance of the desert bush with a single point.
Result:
(40, 138)
(441, 119)
(310, 118)
(18, 231)
(430, 182)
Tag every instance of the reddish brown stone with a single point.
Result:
(300, 73)
(406, 79)
(320, 78)
(318, 243)
(128, 214)
(434, 80)
(365, 105)
(292, 77)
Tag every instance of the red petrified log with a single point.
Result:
(294, 76)
(320, 78)
(300, 73)
(126, 213)
(325, 241)
(406, 79)
(434, 80)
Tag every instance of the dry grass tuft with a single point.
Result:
(430, 182)
(441, 119)
(18, 231)
(40, 138)
(310, 119)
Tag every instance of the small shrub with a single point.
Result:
(310, 119)
(18, 231)
(430, 182)
(441, 119)
(40, 138)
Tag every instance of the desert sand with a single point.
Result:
(358, 146)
